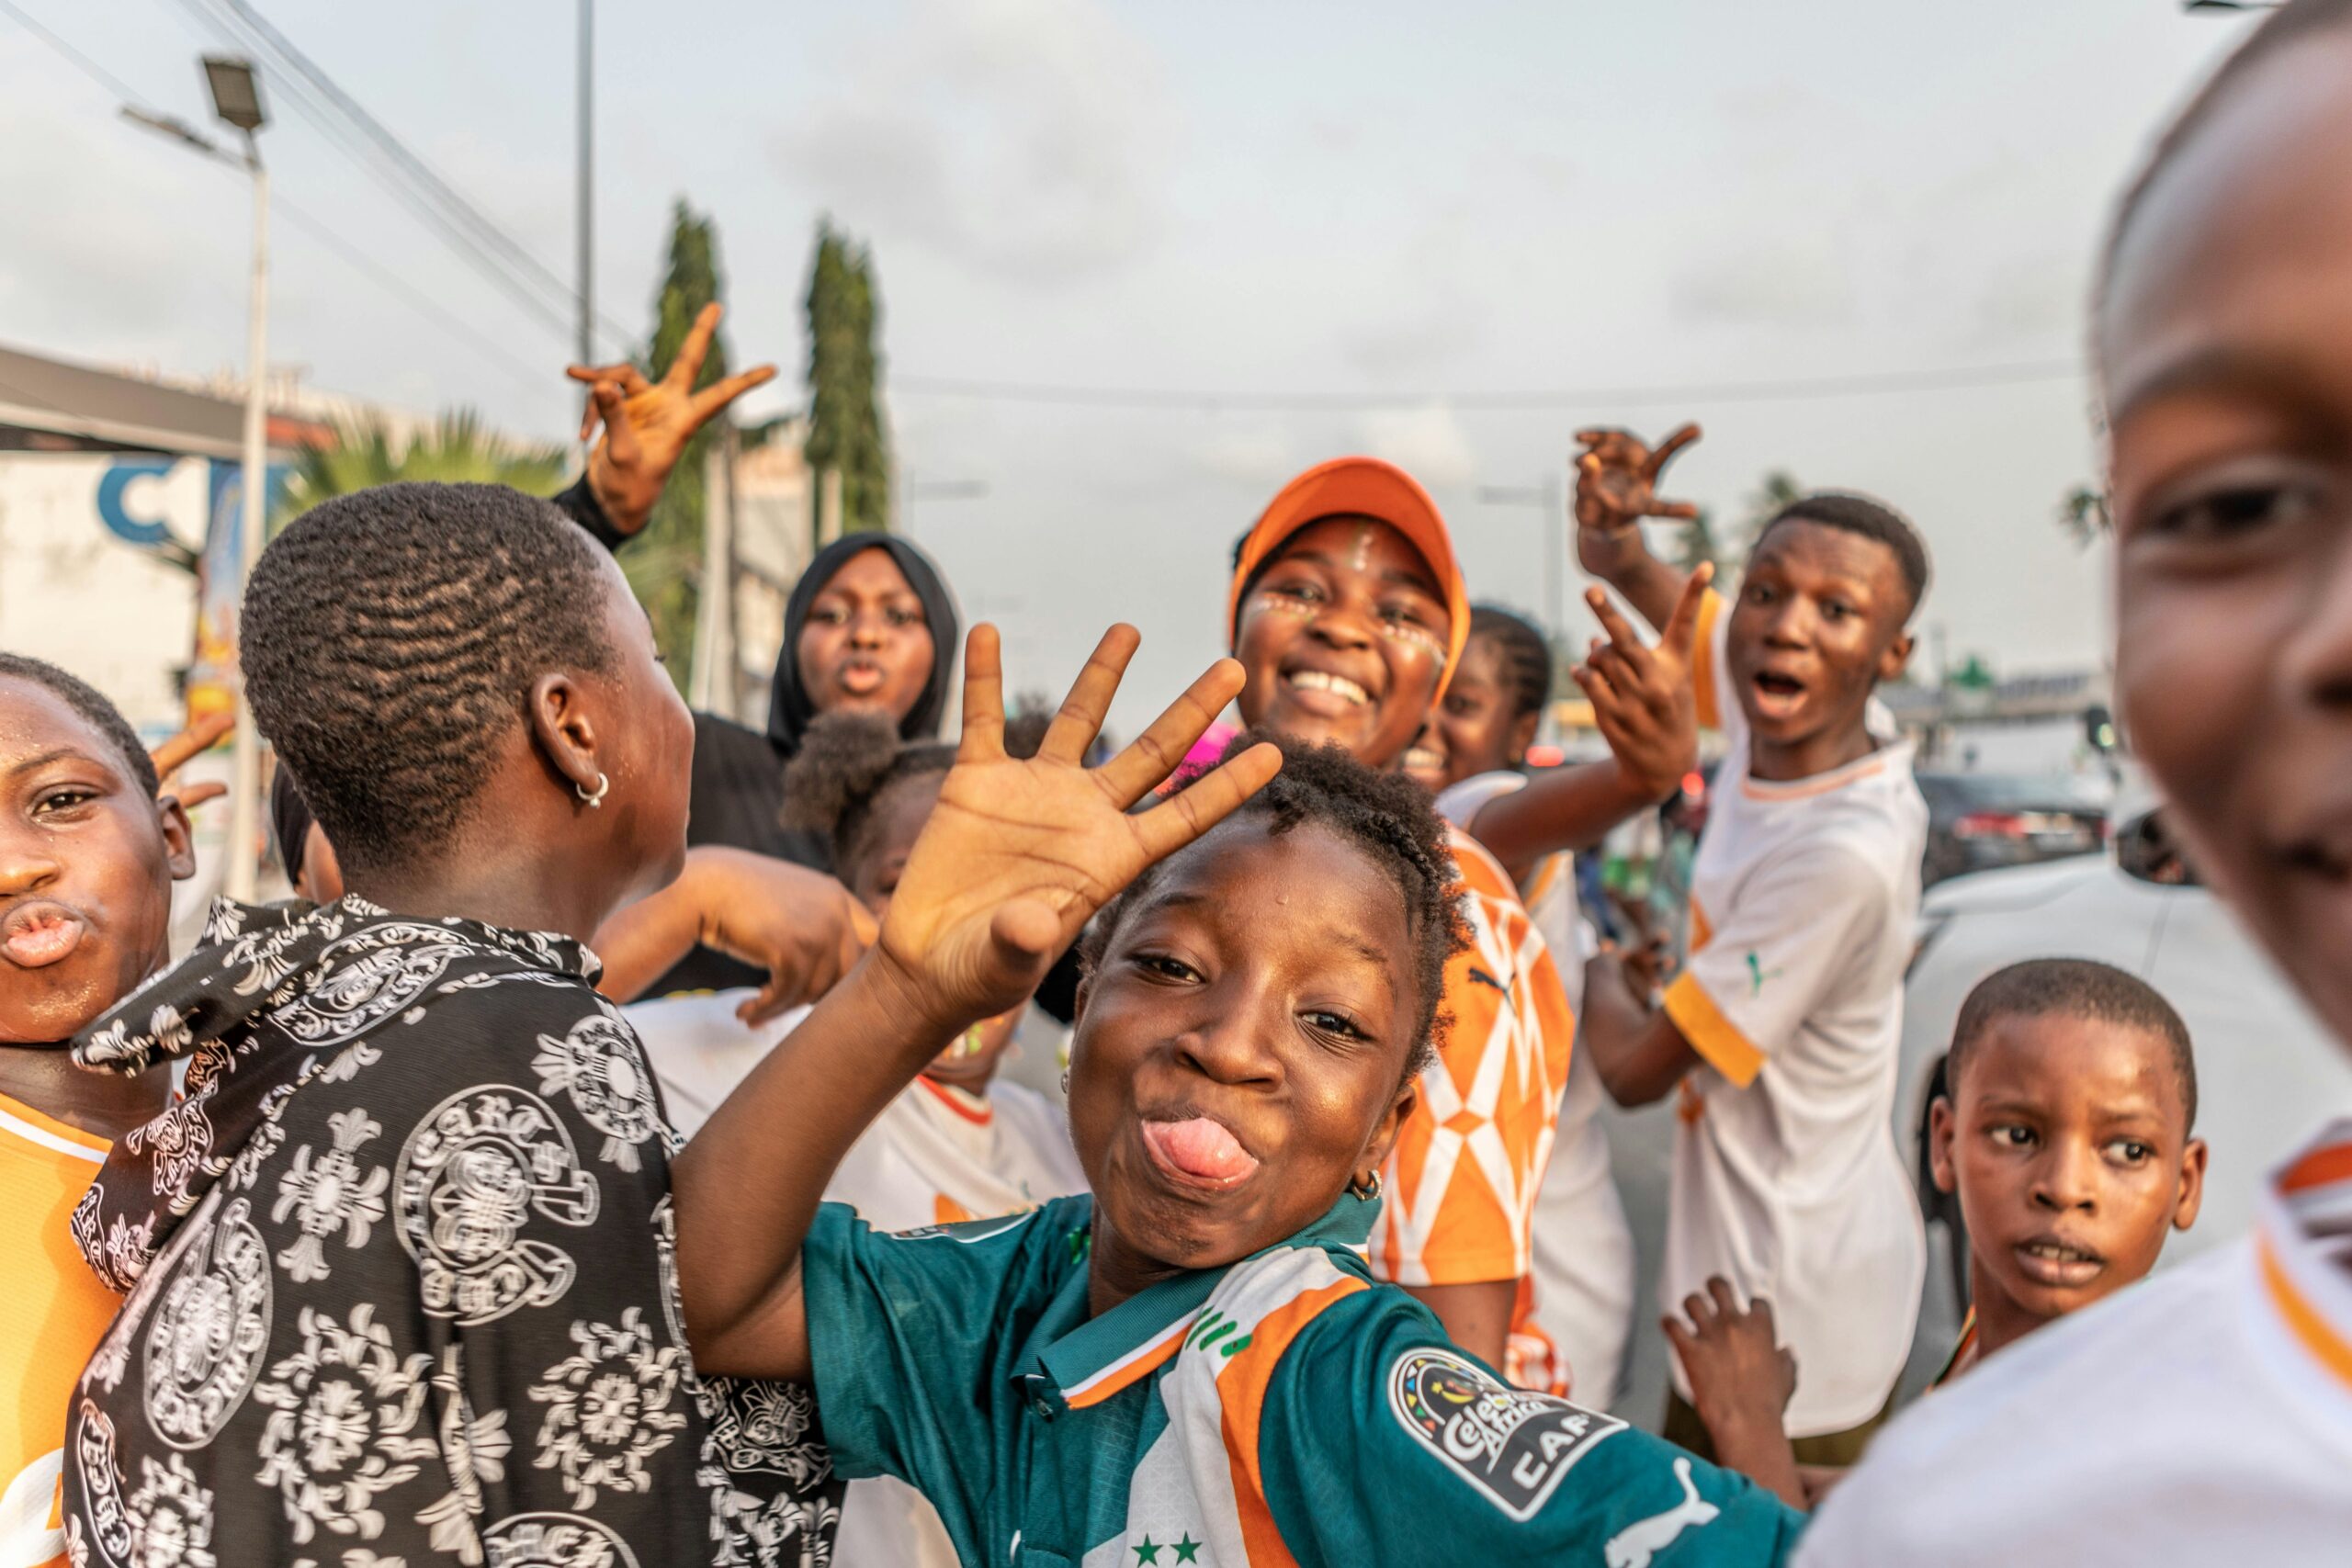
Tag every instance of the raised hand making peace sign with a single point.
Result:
(648, 423)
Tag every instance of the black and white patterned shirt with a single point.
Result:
(401, 1276)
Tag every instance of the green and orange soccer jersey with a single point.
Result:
(1285, 1409)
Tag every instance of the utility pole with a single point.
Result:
(236, 98)
(586, 199)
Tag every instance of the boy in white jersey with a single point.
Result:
(2205, 1416)
(1781, 1033)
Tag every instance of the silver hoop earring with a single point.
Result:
(596, 796)
(1366, 1187)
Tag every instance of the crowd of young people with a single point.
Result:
(562, 1178)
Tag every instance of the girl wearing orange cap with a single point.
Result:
(1347, 615)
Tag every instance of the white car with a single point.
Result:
(2267, 1074)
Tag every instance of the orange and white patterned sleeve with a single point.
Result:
(1463, 1181)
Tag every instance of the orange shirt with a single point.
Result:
(1463, 1180)
(52, 1315)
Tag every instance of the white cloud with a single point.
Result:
(1026, 137)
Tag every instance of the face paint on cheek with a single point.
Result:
(1414, 635)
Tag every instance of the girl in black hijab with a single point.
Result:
(864, 631)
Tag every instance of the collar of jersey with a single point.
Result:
(1097, 1357)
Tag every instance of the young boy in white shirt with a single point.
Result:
(1781, 1033)
(2206, 1416)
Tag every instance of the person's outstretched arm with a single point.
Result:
(1014, 859)
(799, 925)
(1617, 478)
(1643, 703)
(647, 426)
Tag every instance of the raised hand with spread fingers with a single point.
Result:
(1014, 858)
(648, 423)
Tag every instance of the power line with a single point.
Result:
(1785, 389)
(485, 230)
(87, 66)
(302, 219)
(315, 109)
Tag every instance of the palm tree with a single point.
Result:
(456, 448)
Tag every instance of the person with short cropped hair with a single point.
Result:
(2206, 1416)
(400, 1267)
(2067, 1129)
(1779, 1037)
(90, 846)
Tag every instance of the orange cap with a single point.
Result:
(1360, 487)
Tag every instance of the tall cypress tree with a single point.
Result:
(845, 431)
(665, 566)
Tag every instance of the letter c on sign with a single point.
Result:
(112, 487)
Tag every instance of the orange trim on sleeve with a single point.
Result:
(1703, 660)
(2318, 1335)
(1242, 1392)
(1710, 1034)
(2321, 1167)
(1702, 934)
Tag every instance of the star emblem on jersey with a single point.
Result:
(1187, 1549)
(1148, 1555)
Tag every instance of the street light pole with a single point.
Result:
(236, 98)
(245, 779)
(586, 216)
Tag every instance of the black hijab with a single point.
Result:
(738, 790)
(789, 709)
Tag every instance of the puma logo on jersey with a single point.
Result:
(1639, 1542)
(1758, 975)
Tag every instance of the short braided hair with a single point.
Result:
(1526, 657)
(2074, 988)
(392, 636)
(92, 704)
(1387, 816)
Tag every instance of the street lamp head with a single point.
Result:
(236, 92)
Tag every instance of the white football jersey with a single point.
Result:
(1787, 1181)
(2203, 1416)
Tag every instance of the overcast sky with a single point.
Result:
(1434, 204)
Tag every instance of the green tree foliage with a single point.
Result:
(664, 565)
(846, 430)
(1696, 545)
(2083, 513)
(456, 448)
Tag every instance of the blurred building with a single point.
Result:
(116, 494)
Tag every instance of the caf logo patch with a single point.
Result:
(1513, 1445)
